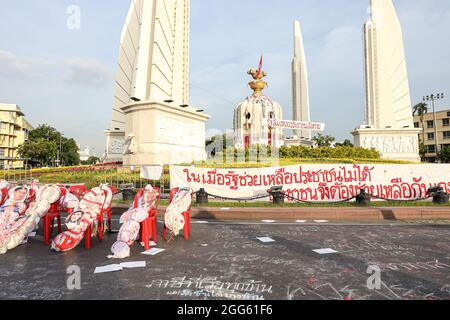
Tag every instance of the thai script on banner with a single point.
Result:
(317, 182)
(289, 124)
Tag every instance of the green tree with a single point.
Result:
(421, 109)
(45, 144)
(422, 151)
(323, 141)
(346, 143)
(444, 155)
(91, 160)
(39, 150)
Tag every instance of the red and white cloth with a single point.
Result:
(131, 223)
(79, 221)
(21, 215)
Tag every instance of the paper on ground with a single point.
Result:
(301, 221)
(320, 221)
(202, 222)
(109, 268)
(325, 251)
(268, 221)
(266, 239)
(134, 264)
(153, 251)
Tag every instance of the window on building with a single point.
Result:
(430, 124)
(416, 125)
(431, 149)
(448, 114)
(2, 152)
(431, 136)
(446, 122)
(446, 134)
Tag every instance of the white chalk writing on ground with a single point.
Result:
(211, 283)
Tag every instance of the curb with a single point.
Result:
(336, 214)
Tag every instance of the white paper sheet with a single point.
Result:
(202, 222)
(268, 221)
(320, 221)
(153, 251)
(325, 251)
(109, 268)
(301, 221)
(134, 264)
(266, 239)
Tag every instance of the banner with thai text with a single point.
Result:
(317, 182)
(289, 124)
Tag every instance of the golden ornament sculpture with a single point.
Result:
(257, 85)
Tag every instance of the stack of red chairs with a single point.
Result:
(49, 219)
(101, 216)
(186, 215)
(148, 227)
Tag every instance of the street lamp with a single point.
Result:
(433, 98)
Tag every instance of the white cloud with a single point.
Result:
(13, 66)
(86, 72)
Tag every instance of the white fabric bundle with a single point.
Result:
(129, 232)
(14, 235)
(174, 218)
(78, 222)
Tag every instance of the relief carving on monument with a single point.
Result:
(116, 146)
(391, 144)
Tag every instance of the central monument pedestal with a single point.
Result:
(393, 144)
(159, 133)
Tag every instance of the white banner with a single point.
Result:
(317, 182)
(297, 125)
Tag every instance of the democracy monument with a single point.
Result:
(153, 123)
(389, 126)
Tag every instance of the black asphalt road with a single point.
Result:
(224, 260)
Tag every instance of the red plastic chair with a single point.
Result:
(88, 232)
(107, 211)
(101, 216)
(49, 219)
(4, 195)
(186, 215)
(78, 191)
(148, 227)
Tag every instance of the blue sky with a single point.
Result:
(66, 77)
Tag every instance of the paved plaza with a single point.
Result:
(225, 260)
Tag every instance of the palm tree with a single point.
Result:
(421, 109)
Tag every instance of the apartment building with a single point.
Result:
(13, 132)
(443, 132)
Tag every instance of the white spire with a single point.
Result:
(388, 100)
(153, 56)
(300, 82)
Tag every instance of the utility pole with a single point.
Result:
(434, 98)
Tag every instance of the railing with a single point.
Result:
(16, 176)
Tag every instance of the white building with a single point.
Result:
(152, 122)
(85, 153)
(389, 124)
